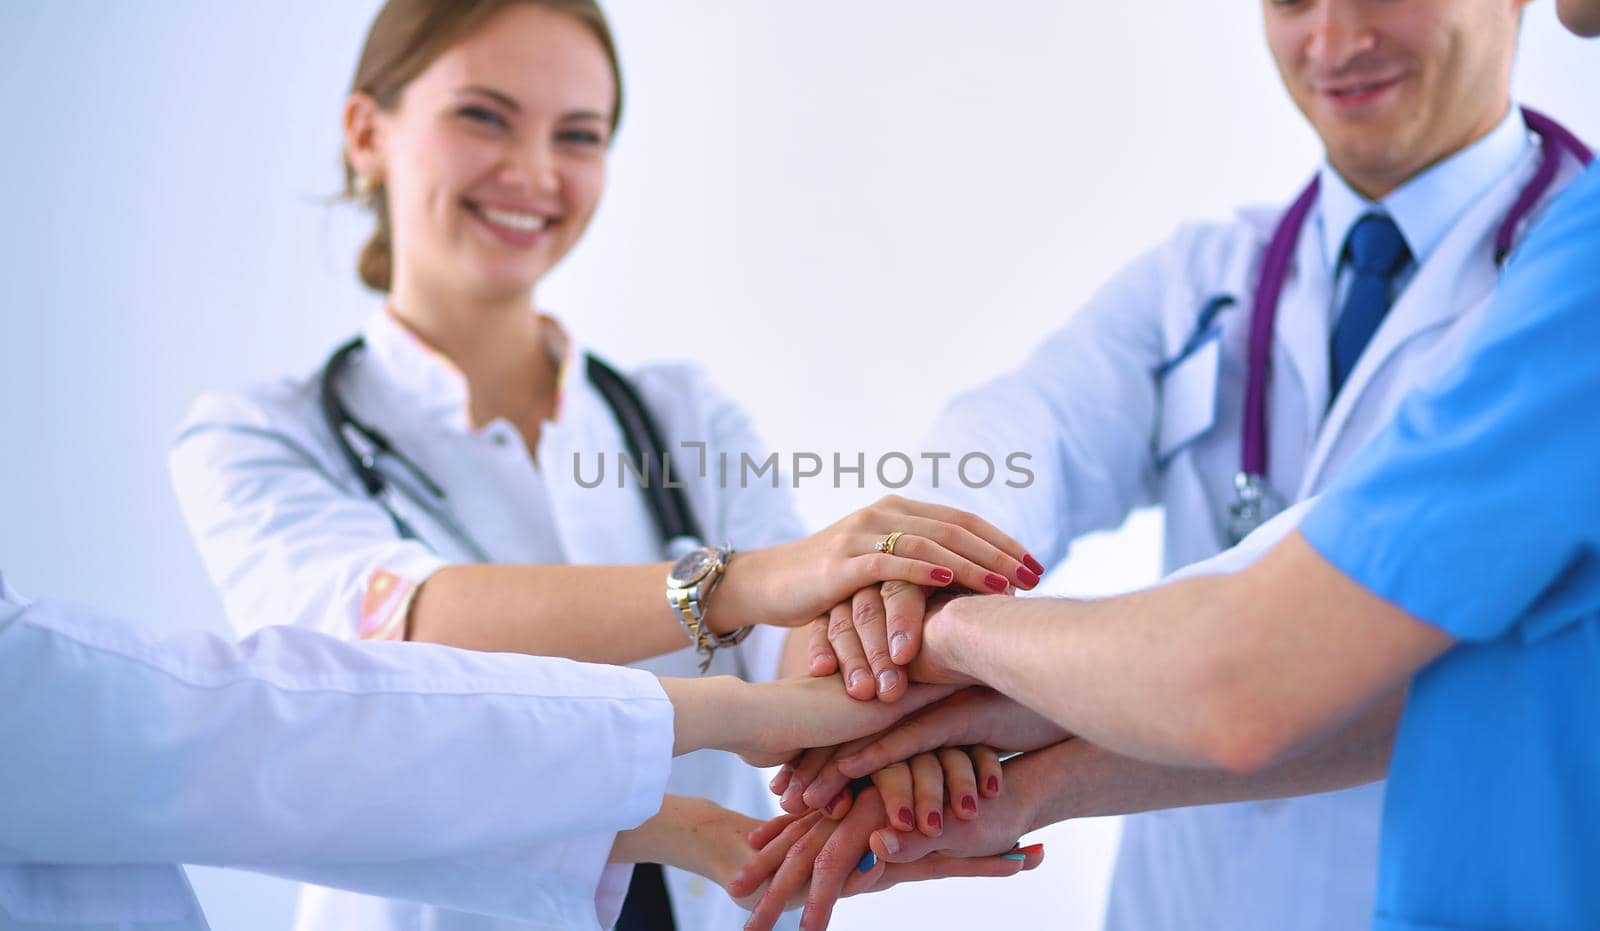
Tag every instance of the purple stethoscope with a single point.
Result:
(1250, 484)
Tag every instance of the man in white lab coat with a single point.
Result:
(1141, 400)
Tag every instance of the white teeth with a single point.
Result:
(521, 222)
(1352, 91)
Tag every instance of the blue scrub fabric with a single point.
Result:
(1478, 511)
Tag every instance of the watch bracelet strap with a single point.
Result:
(689, 618)
(691, 615)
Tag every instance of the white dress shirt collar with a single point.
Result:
(1428, 205)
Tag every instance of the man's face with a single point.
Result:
(1394, 86)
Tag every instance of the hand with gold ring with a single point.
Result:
(895, 539)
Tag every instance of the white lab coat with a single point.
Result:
(1090, 409)
(127, 755)
(288, 535)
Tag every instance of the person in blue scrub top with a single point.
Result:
(1459, 557)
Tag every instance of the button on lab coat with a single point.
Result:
(127, 755)
(1091, 410)
(288, 535)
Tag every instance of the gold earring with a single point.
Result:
(366, 185)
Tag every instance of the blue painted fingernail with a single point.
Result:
(870, 860)
(1013, 856)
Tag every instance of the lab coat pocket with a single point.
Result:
(1188, 389)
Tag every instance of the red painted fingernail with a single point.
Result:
(943, 576)
(996, 583)
(969, 804)
(905, 817)
(1033, 564)
(935, 822)
(1031, 848)
(1026, 577)
(993, 785)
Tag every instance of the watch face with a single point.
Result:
(692, 566)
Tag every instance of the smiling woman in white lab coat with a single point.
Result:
(421, 485)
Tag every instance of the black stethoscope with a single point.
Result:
(1253, 495)
(674, 520)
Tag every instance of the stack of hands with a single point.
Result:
(938, 788)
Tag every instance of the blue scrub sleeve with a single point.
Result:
(1478, 509)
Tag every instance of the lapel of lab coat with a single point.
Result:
(1458, 276)
(1300, 335)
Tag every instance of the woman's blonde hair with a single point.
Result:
(404, 40)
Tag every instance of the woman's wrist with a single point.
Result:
(692, 834)
(710, 713)
(737, 602)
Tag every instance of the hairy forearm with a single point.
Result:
(1119, 681)
(1230, 671)
(1080, 780)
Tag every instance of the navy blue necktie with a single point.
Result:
(647, 907)
(1377, 252)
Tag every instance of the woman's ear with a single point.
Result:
(363, 139)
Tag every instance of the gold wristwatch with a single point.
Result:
(690, 582)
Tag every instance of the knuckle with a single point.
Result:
(830, 860)
(839, 624)
(866, 611)
(894, 588)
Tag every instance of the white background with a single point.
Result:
(848, 209)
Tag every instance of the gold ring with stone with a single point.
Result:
(886, 545)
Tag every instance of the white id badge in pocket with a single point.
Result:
(1188, 397)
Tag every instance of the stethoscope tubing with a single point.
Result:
(1555, 140)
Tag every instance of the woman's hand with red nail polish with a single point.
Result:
(795, 583)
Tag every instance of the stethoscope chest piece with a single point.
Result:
(1253, 504)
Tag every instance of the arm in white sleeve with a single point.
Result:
(293, 748)
(263, 501)
(564, 884)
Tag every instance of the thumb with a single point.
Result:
(893, 846)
